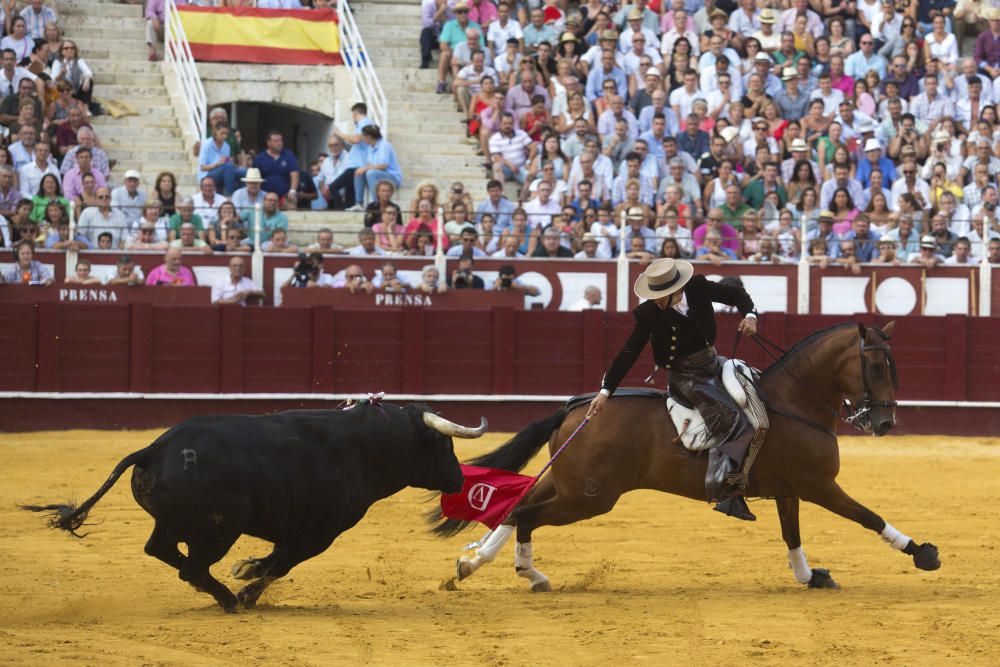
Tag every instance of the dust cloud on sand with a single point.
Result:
(660, 580)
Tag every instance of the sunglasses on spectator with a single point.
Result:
(866, 41)
(103, 196)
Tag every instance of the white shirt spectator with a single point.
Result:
(209, 212)
(683, 100)
(513, 149)
(499, 34)
(9, 86)
(831, 102)
(899, 188)
(93, 223)
(359, 251)
(130, 206)
(225, 289)
(540, 214)
(329, 170)
(30, 177)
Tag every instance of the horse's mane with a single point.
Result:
(804, 343)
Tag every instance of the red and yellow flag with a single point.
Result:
(271, 36)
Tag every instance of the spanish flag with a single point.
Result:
(271, 36)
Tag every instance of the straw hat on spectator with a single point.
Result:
(941, 136)
(662, 278)
(993, 14)
(826, 215)
(887, 240)
(574, 18)
(634, 213)
(928, 241)
(589, 238)
(634, 14)
(132, 173)
(789, 73)
(872, 145)
(768, 15)
(569, 37)
(253, 176)
(460, 6)
(762, 57)
(799, 146)
(609, 34)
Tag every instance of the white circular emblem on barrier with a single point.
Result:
(895, 296)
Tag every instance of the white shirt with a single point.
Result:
(498, 34)
(209, 212)
(540, 214)
(131, 206)
(30, 176)
(359, 251)
(225, 289)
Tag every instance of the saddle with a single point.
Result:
(740, 382)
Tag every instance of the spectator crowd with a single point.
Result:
(714, 129)
(724, 130)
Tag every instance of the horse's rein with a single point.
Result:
(760, 340)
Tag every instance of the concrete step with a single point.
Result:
(104, 9)
(128, 134)
(149, 79)
(96, 20)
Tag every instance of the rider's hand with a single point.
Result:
(597, 404)
(748, 326)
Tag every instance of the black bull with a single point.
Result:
(297, 479)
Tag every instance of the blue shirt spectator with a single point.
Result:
(278, 166)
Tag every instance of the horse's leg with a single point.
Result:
(788, 513)
(833, 498)
(487, 553)
(556, 511)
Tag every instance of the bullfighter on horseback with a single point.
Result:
(678, 319)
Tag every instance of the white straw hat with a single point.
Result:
(662, 278)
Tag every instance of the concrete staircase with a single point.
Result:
(111, 38)
(424, 127)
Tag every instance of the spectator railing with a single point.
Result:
(367, 88)
(177, 54)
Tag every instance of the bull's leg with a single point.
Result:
(203, 553)
(833, 498)
(251, 568)
(281, 560)
(788, 513)
(487, 553)
(163, 546)
(556, 511)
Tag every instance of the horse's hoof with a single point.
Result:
(821, 579)
(463, 568)
(246, 569)
(541, 587)
(926, 557)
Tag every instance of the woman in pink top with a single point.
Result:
(389, 233)
(843, 211)
(424, 222)
(171, 272)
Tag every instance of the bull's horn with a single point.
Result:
(442, 425)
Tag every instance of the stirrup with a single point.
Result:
(735, 506)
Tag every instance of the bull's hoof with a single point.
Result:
(925, 556)
(463, 568)
(246, 599)
(229, 608)
(247, 569)
(541, 587)
(821, 579)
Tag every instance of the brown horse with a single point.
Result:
(804, 391)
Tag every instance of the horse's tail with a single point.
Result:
(69, 517)
(512, 455)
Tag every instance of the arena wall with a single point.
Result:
(126, 365)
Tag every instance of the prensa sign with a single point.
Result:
(95, 295)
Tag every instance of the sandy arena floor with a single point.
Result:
(660, 580)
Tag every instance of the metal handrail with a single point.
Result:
(177, 52)
(367, 87)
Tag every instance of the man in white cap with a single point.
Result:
(800, 151)
(251, 193)
(128, 198)
(791, 102)
(874, 159)
(682, 337)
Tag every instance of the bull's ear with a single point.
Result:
(862, 330)
(887, 329)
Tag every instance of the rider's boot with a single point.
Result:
(730, 501)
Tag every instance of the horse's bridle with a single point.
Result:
(861, 419)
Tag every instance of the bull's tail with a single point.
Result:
(513, 455)
(71, 518)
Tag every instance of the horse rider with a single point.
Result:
(678, 319)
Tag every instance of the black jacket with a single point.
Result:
(674, 335)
